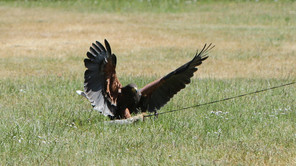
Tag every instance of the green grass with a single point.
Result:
(44, 122)
(130, 6)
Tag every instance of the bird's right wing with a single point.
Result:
(157, 93)
(101, 85)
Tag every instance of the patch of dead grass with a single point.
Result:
(144, 43)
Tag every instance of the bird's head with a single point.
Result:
(132, 88)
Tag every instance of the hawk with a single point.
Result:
(107, 95)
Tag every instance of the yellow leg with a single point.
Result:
(126, 113)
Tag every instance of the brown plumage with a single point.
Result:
(106, 94)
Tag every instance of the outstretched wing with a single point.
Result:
(101, 84)
(157, 93)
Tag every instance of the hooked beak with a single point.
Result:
(136, 91)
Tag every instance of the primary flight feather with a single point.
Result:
(106, 94)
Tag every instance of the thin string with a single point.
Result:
(217, 101)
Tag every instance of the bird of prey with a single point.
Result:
(106, 94)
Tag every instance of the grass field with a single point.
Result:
(44, 122)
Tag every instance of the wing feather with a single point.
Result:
(102, 48)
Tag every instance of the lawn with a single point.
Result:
(44, 122)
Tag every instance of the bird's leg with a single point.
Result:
(126, 113)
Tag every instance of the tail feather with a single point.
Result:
(81, 93)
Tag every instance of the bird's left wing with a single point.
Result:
(101, 85)
(157, 93)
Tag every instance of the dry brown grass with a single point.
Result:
(41, 41)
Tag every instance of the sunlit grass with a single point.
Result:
(48, 121)
(44, 122)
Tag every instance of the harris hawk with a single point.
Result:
(107, 95)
